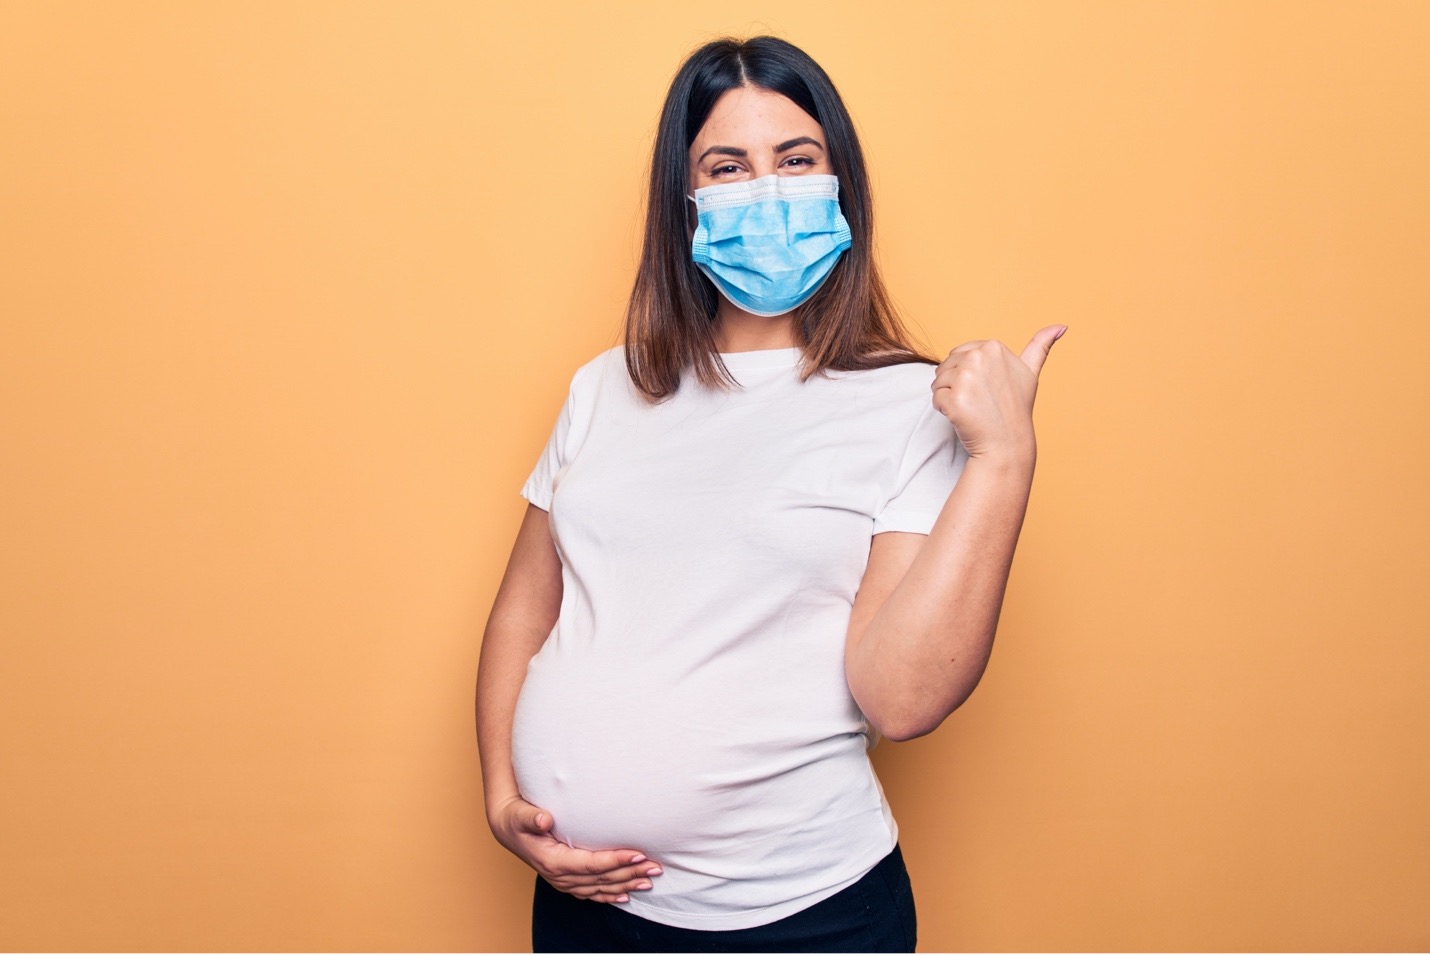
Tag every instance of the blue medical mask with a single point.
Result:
(768, 244)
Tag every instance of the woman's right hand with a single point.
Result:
(606, 876)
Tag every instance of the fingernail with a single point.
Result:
(638, 858)
(623, 898)
(1060, 333)
(643, 885)
(654, 871)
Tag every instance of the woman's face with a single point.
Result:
(751, 133)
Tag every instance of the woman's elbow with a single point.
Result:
(914, 719)
(902, 730)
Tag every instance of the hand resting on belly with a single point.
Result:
(606, 876)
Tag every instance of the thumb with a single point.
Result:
(1036, 352)
(535, 820)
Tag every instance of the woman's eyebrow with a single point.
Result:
(799, 141)
(741, 153)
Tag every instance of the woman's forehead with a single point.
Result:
(750, 117)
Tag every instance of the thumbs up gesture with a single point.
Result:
(987, 393)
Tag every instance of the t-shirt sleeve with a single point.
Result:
(932, 461)
(540, 483)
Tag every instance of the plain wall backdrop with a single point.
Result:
(291, 294)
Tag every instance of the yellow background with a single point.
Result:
(291, 294)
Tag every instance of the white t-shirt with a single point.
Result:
(690, 702)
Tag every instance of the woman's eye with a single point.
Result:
(802, 160)
(720, 169)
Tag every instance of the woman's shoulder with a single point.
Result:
(889, 397)
(589, 374)
(903, 375)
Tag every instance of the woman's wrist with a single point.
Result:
(498, 794)
(1018, 458)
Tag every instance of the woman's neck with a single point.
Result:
(739, 331)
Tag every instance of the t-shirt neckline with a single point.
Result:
(762, 358)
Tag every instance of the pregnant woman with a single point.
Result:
(765, 531)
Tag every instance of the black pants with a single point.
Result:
(875, 914)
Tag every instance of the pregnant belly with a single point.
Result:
(686, 770)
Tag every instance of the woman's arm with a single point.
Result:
(523, 614)
(922, 626)
(527, 605)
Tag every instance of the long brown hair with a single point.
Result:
(850, 323)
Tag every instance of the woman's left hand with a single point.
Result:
(987, 393)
